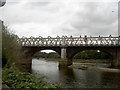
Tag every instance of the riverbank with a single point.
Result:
(82, 60)
(95, 66)
(13, 78)
(102, 65)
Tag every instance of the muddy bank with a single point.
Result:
(94, 66)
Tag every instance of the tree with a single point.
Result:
(91, 54)
(11, 51)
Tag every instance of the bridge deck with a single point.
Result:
(70, 41)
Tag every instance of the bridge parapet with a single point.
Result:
(70, 41)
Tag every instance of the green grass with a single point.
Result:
(53, 59)
(92, 60)
(83, 60)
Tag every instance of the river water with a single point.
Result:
(75, 78)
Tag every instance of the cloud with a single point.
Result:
(68, 17)
(92, 19)
(99, 18)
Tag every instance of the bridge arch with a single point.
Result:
(28, 53)
(44, 53)
(101, 50)
(98, 52)
(71, 52)
(32, 50)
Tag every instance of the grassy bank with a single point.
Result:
(82, 60)
(13, 78)
(91, 61)
(53, 59)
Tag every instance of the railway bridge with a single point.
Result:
(67, 47)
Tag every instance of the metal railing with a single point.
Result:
(70, 41)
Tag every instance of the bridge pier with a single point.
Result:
(65, 61)
(63, 53)
(116, 58)
(26, 65)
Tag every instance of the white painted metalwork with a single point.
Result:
(70, 41)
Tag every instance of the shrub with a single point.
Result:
(16, 79)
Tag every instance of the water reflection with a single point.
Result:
(67, 72)
(110, 79)
(49, 69)
(75, 78)
(67, 76)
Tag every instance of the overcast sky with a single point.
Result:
(61, 17)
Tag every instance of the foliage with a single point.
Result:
(92, 60)
(16, 79)
(40, 54)
(53, 55)
(10, 48)
(83, 60)
(46, 55)
(87, 54)
(91, 54)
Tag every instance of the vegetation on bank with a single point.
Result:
(46, 55)
(11, 51)
(88, 56)
(83, 60)
(12, 58)
(92, 60)
(16, 79)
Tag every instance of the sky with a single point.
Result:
(61, 17)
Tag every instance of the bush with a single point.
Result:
(16, 79)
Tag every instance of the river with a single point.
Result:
(75, 78)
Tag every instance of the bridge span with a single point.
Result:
(67, 47)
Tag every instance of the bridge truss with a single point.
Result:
(70, 41)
